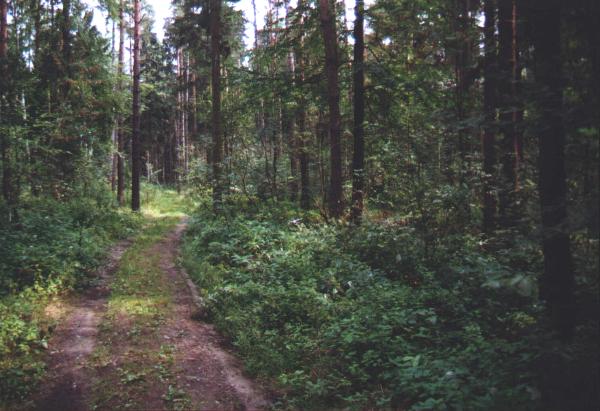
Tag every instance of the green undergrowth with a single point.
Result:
(55, 247)
(128, 359)
(131, 358)
(370, 317)
(158, 202)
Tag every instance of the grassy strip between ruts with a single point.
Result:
(62, 252)
(131, 358)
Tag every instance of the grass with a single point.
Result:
(55, 249)
(130, 359)
(161, 202)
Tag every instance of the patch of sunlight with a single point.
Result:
(101, 356)
(56, 310)
(159, 202)
(137, 306)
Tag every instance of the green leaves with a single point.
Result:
(337, 318)
(55, 247)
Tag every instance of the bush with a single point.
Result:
(55, 246)
(366, 317)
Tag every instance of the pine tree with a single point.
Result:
(358, 163)
(558, 282)
(489, 107)
(217, 138)
(136, 154)
(120, 128)
(327, 16)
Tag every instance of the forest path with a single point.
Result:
(130, 342)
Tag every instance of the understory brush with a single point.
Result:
(54, 246)
(368, 317)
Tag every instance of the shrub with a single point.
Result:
(55, 246)
(366, 317)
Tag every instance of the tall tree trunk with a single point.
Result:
(358, 160)
(7, 189)
(185, 113)
(217, 138)
(557, 283)
(293, 156)
(193, 104)
(507, 56)
(288, 119)
(517, 109)
(66, 46)
(321, 135)
(180, 128)
(114, 158)
(292, 141)
(115, 130)
(136, 155)
(276, 149)
(304, 160)
(489, 107)
(37, 27)
(303, 153)
(327, 16)
(120, 128)
(462, 62)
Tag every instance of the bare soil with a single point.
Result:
(73, 341)
(206, 375)
(210, 375)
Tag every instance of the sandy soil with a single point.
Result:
(209, 375)
(73, 341)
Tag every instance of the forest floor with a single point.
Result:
(132, 341)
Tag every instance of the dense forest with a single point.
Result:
(389, 204)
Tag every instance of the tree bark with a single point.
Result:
(304, 161)
(358, 161)
(303, 154)
(136, 155)
(292, 140)
(507, 56)
(217, 138)
(327, 16)
(557, 283)
(489, 106)
(66, 45)
(7, 189)
(461, 66)
(517, 109)
(193, 127)
(120, 130)
(289, 121)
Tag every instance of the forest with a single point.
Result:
(299, 205)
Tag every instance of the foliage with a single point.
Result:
(56, 247)
(361, 317)
(415, 308)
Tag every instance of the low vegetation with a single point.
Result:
(340, 316)
(392, 210)
(57, 247)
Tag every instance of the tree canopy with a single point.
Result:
(392, 205)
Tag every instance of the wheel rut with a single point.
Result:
(199, 375)
(73, 341)
(210, 375)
